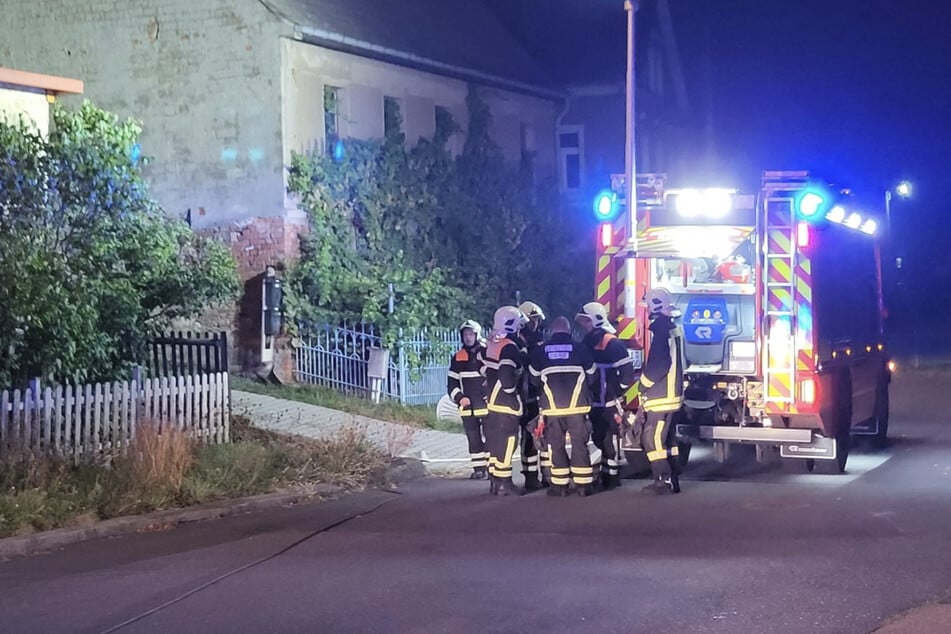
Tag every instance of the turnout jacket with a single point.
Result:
(615, 368)
(504, 364)
(466, 380)
(662, 378)
(562, 371)
(531, 339)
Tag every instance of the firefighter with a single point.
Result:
(532, 336)
(504, 362)
(466, 388)
(661, 393)
(615, 376)
(562, 371)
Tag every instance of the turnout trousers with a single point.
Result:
(530, 458)
(564, 468)
(604, 435)
(477, 453)
(501, 438)
(658, 441)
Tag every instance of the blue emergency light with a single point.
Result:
(606, 205)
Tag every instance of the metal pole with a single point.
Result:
(630, 165)
(888, 214)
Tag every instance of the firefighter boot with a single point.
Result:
(558, 491)
(531, 481)
(660, 486)
(609, 482)
(506, 487)
(493, 485)
(586, 490)
(675, 483)
(478, 473)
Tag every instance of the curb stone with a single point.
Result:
(400, 471)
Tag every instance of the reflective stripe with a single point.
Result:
(455, 391)
(646, 382)
(470, 374)
(582, 470)
(675, 450)
(560, 471)
(560, 480)
(530, 459)
(659, 436)
(659, 454)
(453, 375)
(583, 480)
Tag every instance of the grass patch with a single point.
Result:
(423, 416)
(167, 470)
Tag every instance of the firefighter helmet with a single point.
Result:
(531, 309)
(659, 302)
(507, 321)
(597, 314)
(472, 325)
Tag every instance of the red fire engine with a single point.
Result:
(779, 294)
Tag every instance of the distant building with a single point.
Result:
(591, 133)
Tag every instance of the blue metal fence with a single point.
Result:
(338, 357)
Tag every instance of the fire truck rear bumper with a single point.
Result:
(767, 435)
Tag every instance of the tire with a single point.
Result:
(767, 454)
(798, 465)
(880, 439)
(843, 425)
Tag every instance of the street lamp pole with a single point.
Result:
(630, 165)
(888, 214)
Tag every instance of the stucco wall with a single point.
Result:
(202, 76)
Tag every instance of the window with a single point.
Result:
(392, 119)
(332, 98)
(570, 153)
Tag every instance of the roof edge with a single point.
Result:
(49, 83)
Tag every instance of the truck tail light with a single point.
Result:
(802, 235)
(807, 391)
(605, 234)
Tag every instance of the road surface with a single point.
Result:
(742, 549)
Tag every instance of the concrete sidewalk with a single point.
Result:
(444, 453)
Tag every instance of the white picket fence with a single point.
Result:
(87, 421)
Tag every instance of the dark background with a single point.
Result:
(855, 91)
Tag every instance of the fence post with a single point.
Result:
(402, 367)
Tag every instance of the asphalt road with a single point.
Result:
(742, 549)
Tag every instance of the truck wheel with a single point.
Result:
(798, 465)
(880, 439)
(836, 466)
(843, 427)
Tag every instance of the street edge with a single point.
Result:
(400, 470)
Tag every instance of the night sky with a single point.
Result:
(856, 91)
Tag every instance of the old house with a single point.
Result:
(228, 89)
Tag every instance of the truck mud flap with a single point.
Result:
(819, 449)
(770, 435)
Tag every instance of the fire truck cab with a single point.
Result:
(779, 298)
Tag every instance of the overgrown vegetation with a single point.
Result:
(454, 236)
(167, 470)
(415, 415)
(90, 264)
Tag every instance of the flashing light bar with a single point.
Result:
(713, 202)
(852, 220)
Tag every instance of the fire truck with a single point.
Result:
(779, 298)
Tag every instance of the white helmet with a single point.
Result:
(531, 309)
(659, 302)
(507, 321)
(596, 312)
(472, 325)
